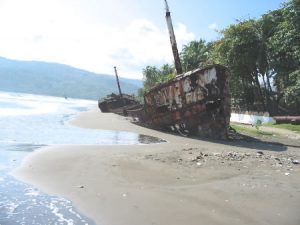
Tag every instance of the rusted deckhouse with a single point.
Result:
(196, 102)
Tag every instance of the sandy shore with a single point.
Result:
(181, 182)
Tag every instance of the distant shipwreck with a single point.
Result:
(195, 102)
(120, 103)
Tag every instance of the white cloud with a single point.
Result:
(145, 43)
(213, 26)
(56, 34)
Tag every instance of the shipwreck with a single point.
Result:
(118, 103)
(196, 102)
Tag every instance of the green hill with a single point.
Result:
(59, 80)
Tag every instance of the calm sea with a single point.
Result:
(29, 122)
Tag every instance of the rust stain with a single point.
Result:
(194, 102)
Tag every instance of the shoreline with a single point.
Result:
(183, 181)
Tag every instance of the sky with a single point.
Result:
(96, 35)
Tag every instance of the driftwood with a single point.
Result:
(287, 119)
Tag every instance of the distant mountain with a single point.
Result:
(59, 80)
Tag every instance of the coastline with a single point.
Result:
(182, 181)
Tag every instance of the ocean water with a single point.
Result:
(30, 119)
(29, 122)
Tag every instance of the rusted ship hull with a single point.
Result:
(118, 104)
(197, 102)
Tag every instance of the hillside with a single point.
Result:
(59, 80)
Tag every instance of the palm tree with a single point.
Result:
(195, 54)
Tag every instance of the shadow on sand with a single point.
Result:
(245, 141)
(236, 139)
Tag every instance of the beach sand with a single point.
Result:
(184, 181)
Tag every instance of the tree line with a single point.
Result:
(263, 56)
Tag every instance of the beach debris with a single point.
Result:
(199, 157)
(188, 149)
(239, 159)
(287, 119)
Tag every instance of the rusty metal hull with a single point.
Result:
(197, 102)
(118, 104)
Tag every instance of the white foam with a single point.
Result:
(33, 193)
(11, 206)
(55, 211)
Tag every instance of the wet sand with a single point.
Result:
(182, 182)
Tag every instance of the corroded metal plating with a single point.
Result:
(194, 102)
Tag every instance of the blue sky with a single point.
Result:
(96, 35)
(197, 15)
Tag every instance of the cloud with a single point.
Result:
(98, 46)
(213, 26)
(38, 38)
(143, 43)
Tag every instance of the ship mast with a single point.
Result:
(117, 77)
(173, 40)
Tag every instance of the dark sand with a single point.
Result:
(181, 182)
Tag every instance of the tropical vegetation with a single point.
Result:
(263, 56)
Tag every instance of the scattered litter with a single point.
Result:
(242, 160)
